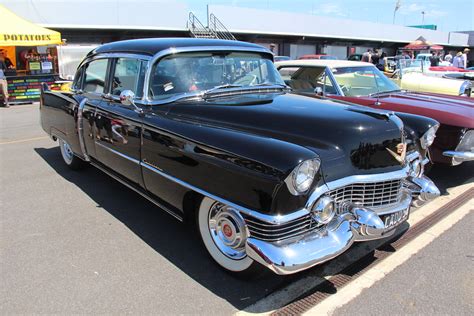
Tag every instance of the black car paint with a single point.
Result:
(239, 148)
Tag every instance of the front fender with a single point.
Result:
(243, 168)
(415, 127)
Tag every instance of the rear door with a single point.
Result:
(118, 126)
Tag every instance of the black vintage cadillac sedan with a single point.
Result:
(209, 132)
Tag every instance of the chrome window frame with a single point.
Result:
(111, 56)
(172, 51)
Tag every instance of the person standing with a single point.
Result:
(367, 56)
(375, 58)
(464, 57)
(3, 81)
(448, 57)
(457, 60)
(434, 59)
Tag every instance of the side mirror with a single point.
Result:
(319, 91)
(127, 98)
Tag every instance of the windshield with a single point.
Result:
(191, 73)
(362, 81)
(413, 65)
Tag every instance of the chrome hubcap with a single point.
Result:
(66, 151)
(227, 230)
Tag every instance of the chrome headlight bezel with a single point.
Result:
(466, 85)
(299, 181)
(428, 137)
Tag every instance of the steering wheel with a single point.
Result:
(345, 88)
(395, 73)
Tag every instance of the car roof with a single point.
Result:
(324, 62)
(151, 46)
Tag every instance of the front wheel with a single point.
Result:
(223, 233)
(71, 160)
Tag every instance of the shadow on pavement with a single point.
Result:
(175, 241)
(180, 245)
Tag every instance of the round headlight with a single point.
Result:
(324, 210)
(301, 178)
(428, 138)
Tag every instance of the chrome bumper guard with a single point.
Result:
(460, 156)
(359, 224)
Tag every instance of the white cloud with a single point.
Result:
(329, 9)
(411, 8)
(436, 13)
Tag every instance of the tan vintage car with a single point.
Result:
(410, 75)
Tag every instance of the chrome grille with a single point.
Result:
(275, 232)
(373, 195)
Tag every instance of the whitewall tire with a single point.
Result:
(223, 233)
(71, 160)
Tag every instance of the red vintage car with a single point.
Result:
(364, 84)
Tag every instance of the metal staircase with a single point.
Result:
(214, 29)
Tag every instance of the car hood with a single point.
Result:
(350, 139)
(448, 110)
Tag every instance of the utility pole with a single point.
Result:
(423, 18)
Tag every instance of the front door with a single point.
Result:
(118, 126)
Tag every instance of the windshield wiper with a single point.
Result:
(224, 86)
(384, 92)
(269, 84)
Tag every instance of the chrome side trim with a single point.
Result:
(180, 218)
(80, 129)
(118, 153)
(264, 217)
(173, 50)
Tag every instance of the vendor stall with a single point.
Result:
(421, 45)
(30, 54)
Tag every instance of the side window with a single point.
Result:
(128, 75)
(77, 83)
(94, 77)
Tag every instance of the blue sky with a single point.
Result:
(449, 15)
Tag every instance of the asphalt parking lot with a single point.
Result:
(80, 242)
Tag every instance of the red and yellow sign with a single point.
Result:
(16, 31)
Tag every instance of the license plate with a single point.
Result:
(394, 219)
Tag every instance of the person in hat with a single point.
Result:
(457, 60)
(464, 57)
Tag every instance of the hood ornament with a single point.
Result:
(400, 154)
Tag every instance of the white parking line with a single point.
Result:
(23, 140)
(387, 265)
(294, 290)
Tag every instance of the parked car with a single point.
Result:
(320, 56)
(426, 58)
(207, 130)
(281, 58)
(364, 84)
(355, 57)
(414, 75)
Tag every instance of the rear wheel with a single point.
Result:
(223, 233)
(71, 160)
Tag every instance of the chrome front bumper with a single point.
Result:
(359, 224)
(459, 156)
